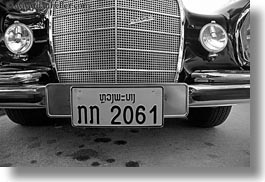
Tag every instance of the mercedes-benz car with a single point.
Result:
(122, 63)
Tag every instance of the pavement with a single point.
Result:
(175, 145)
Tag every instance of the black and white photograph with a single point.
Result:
(125, 83)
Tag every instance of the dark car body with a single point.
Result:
(31, 81)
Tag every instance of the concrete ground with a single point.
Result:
(174, 145)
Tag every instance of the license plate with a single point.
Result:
(117, 107)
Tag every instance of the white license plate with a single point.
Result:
(117, 107)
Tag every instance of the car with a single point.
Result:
(122, 63)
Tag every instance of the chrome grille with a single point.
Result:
(100, 44)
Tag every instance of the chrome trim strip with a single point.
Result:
(204, 87)
(238, 35)
(85, 71)
(40, 41)
(52, 51)
(38, 70)
(221, 77)
(142, 70)
(83, 51)
(218, 103)
(112, 49)
(82, 31)
(111, 28)
(129, 70)
(180, 63)
(153, 51)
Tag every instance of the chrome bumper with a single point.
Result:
(218, 95)
(200, 95)
(209, 90)
(22, 97)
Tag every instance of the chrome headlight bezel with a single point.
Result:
(20, 34)
(221, 32)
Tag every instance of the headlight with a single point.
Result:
(213, 37)
(18, 38)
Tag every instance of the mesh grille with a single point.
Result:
(146, 61)
(81, 22)
(86, 61)
(147, 41)
(159, 6)
(144, 77)
(93, 77)
(117, 41)
(85, 41)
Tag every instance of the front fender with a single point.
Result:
(195, 56)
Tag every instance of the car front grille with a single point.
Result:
(117, 41)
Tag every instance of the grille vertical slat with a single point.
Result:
(108, 41)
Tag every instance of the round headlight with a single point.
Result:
(213, 37)
(18, 38)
